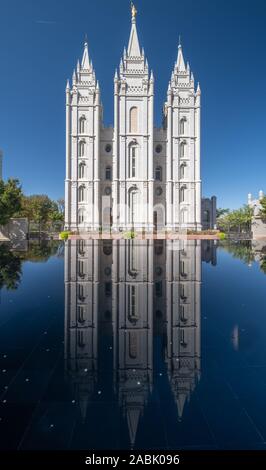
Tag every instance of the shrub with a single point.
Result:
(222, 236)
(130, 235)
(64, 235)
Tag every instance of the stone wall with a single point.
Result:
(258, 227)
(16, 230)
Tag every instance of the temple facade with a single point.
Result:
(133, 175)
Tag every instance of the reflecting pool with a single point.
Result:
(133, 344)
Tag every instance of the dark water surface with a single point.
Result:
(133, 344)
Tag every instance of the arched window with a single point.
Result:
(182, 338)
(82, 121)
(133, 344)
(132, 161)
(108, 173)
(108, 289)
(158, 288)
(133, 209)
(183, 149)
(158, 247)
(158, 173)
(81, 316)
(183, 269)
(81, 217)
(182, 125)
(182, 314)
(133, 120)
(81, 170)
(81, 292)
(81, 194)
(132, 302)
(81, 272)
(81, 247)
(182, 171)
(81, 342)
(81, 148)
(182, 194)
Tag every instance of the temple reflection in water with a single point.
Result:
(132, 313)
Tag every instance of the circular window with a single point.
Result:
(158, 191)
(107, 271)
(107, 191)
(158, 148)
(158, 271)
(108, 148)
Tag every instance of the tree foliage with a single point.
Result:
(220, 212)
(236, 220)
(10, 199)
(42, 210)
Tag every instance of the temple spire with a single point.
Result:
(180, 59)
(133, 44)
(85, 63)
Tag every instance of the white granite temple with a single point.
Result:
(134, 175)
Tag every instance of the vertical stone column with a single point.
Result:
(115, 157)
(197, 161)
(96, 286)
(123, 160)
(68, 159)
(150, 265)
(96, 159)
(169, 198)
(150, 154)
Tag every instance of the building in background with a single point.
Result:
(133, 175)
(258, 226)
(208, 212)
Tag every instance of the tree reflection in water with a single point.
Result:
(10, 268)
(247, 251)
(11, 260)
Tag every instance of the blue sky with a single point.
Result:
(224, 41)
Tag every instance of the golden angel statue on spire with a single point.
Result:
(133, 10)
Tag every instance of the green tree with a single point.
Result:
(42, 210)
(10, 199)
(221, 212)
(56, 213)
(236, 220)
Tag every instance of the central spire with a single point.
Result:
(180, 59)
(133, 49)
